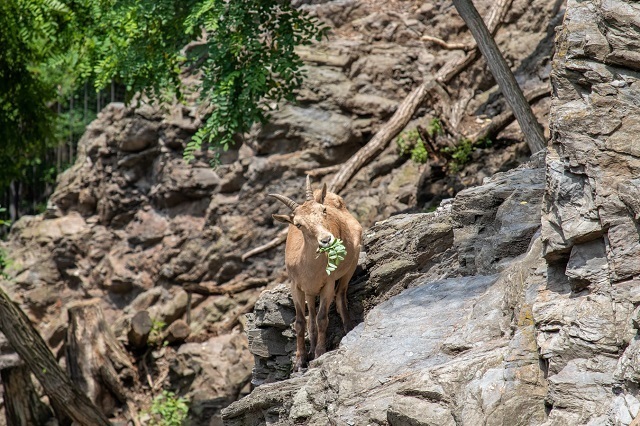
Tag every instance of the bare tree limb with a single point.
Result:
(531, 129)
(501, 121)
(445, 45)
(232, 288)
(279, 239)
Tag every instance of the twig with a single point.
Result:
(444, 44)
(279, 239)
(502, 120)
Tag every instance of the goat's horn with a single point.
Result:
(309, 191)
(286, 201)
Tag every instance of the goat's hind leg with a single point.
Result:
(313, 326)
(326, 299)
(301, 350)
(341, 301)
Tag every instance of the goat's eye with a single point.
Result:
(324, 211)
(298, 225)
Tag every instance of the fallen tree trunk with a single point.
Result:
(407, 108)
(33, 351)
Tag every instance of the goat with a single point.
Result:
(317, 223)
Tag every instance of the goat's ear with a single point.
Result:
(323, 194)
(284, 218)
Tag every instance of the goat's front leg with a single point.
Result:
(313, 327)
(301, 350)
(326, 299)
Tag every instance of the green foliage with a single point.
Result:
(248, 63)
(155, 335)
(410, 143)
(336, 253)
(461, 153)
(435, 127)
(168, 410)
(243, 52)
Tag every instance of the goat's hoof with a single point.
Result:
(319, 352)
(300, 365)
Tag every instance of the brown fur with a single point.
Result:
(317, 218)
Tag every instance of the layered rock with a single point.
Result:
(457, 346)
(586, 315)
(533, 328)
(131, 224)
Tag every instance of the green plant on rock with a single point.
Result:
(155, 335)
(435, 127)
(461, 153)
(410, 143)
(168, 410)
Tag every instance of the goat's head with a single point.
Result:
(310, 217)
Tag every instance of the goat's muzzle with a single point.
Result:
(326, 240)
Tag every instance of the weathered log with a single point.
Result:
(22, 404)
(531, 129)
(96, 361)
(139, 330)
(177, 332)
(33, 351)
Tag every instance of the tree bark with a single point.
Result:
(531, 129)
(22, 404)
(33, 351)
(96, 361)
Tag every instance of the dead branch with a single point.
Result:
(502, 120)
(322, 171)
(210, 289)
(445, 45)
(234, 319)
(406, 109)
(279, 239)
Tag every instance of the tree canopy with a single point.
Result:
(242, 50)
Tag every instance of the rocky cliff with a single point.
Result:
(132, 225)
(528, 315)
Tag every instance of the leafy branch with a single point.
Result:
(336, 253)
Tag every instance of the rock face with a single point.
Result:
(506, 324)
(131, 224)
(586, 315)
(456, 347)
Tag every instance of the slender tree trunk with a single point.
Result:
(33, 351)
(531, 129)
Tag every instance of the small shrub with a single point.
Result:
(155, 335)
(410, 143)
(435, 127)
(168, 410)
(461, 153)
